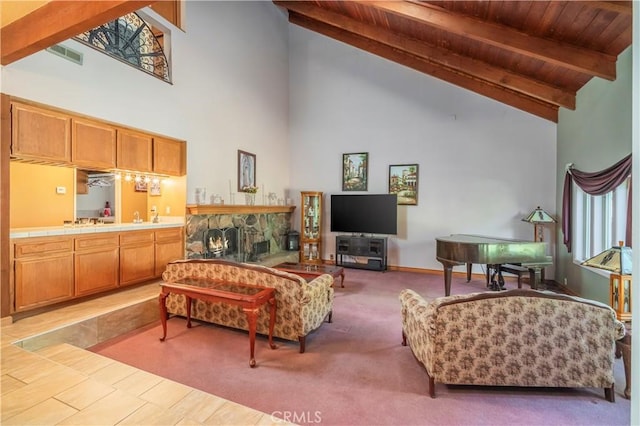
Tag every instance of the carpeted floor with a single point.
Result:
(355, 370)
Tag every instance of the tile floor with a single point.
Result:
(48, 378)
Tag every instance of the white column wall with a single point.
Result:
(483, 165)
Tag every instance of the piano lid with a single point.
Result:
(467, 248)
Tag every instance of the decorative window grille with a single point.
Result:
(130, 40)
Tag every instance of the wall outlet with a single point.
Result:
(167, 210)
(564, 282)
(61, 190)
(331, 256)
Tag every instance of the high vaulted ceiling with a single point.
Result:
(532, 55)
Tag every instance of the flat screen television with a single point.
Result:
(364, 213)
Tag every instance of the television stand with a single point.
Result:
(374, 249)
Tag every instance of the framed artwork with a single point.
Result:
(403, 181)
(154, 189)
(354, 171)
(141, 186)
(246, 171)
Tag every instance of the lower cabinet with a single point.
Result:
(169, 247)
(43, 272)
(137, 257)
(96, 263)
(48, 270)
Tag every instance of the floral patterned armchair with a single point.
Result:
(512, 338)
(301, 306)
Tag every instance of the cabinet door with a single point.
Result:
(134, 151)
(169, 247)
(39, 133)
(137, 257)
(44, 280)
(169, 156)
(93, 144)
(82, 182)
(96, 263)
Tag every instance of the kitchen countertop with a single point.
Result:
(47, 231)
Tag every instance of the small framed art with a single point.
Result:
(154, 189)
(354, 171)
(403, 181)
(141, 186)
(246, 171)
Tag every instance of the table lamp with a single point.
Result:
(618, 261)
(538, 217)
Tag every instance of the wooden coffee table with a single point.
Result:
(307, 270)
(248, 296)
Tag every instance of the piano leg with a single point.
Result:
(496, 285)
(469, 268)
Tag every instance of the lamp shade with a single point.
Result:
(539, 216)
(616, 259)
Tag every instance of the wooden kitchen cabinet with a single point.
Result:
(40, 133)
(169, 156)
(43, 272)
(93, 144)
(96, 263)
(137, 256)
(134, 151)
(169, 247)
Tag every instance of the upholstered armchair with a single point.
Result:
(301, 306)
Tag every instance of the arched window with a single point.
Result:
(131, 40)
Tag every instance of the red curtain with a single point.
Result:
(595, 183)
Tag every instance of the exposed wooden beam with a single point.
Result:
(57, 21)
(525, 103)
(619, 6)
(460, 64)
(564, 55)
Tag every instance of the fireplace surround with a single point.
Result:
(241, 233)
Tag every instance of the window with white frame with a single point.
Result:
(599, 221)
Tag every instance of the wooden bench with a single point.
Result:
(515, 270)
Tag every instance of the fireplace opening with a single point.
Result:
(222, 243)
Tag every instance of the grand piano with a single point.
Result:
(459, 249)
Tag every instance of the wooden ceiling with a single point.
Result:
(532, 55)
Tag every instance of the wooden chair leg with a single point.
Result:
(302, 340)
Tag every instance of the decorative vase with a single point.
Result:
(249, 199)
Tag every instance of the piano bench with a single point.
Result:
(515, 270)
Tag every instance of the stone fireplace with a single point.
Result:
(256, 234)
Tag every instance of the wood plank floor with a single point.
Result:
(48, 378)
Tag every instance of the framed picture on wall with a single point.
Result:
(403, 181)
(141, 186)
(354, 171)
(154, 189)
(246, 171)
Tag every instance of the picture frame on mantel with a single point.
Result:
(246, 170)
(403, 181)
(355, 171)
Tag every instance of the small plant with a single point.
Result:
(250, 189)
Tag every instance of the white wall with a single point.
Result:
(229, 91)
(483, 165)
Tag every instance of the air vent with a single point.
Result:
(64, 52)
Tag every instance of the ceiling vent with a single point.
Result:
(64, 52)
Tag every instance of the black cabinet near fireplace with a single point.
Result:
(361, 252)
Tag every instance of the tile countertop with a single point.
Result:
(46, 231)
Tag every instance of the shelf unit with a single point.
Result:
(311, 223)
(374, 249)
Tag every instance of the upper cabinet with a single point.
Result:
(53, 136)
(40, 133)
(169, 157)
(134, 151)
(93, 144)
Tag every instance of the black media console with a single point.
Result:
(374, 249)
